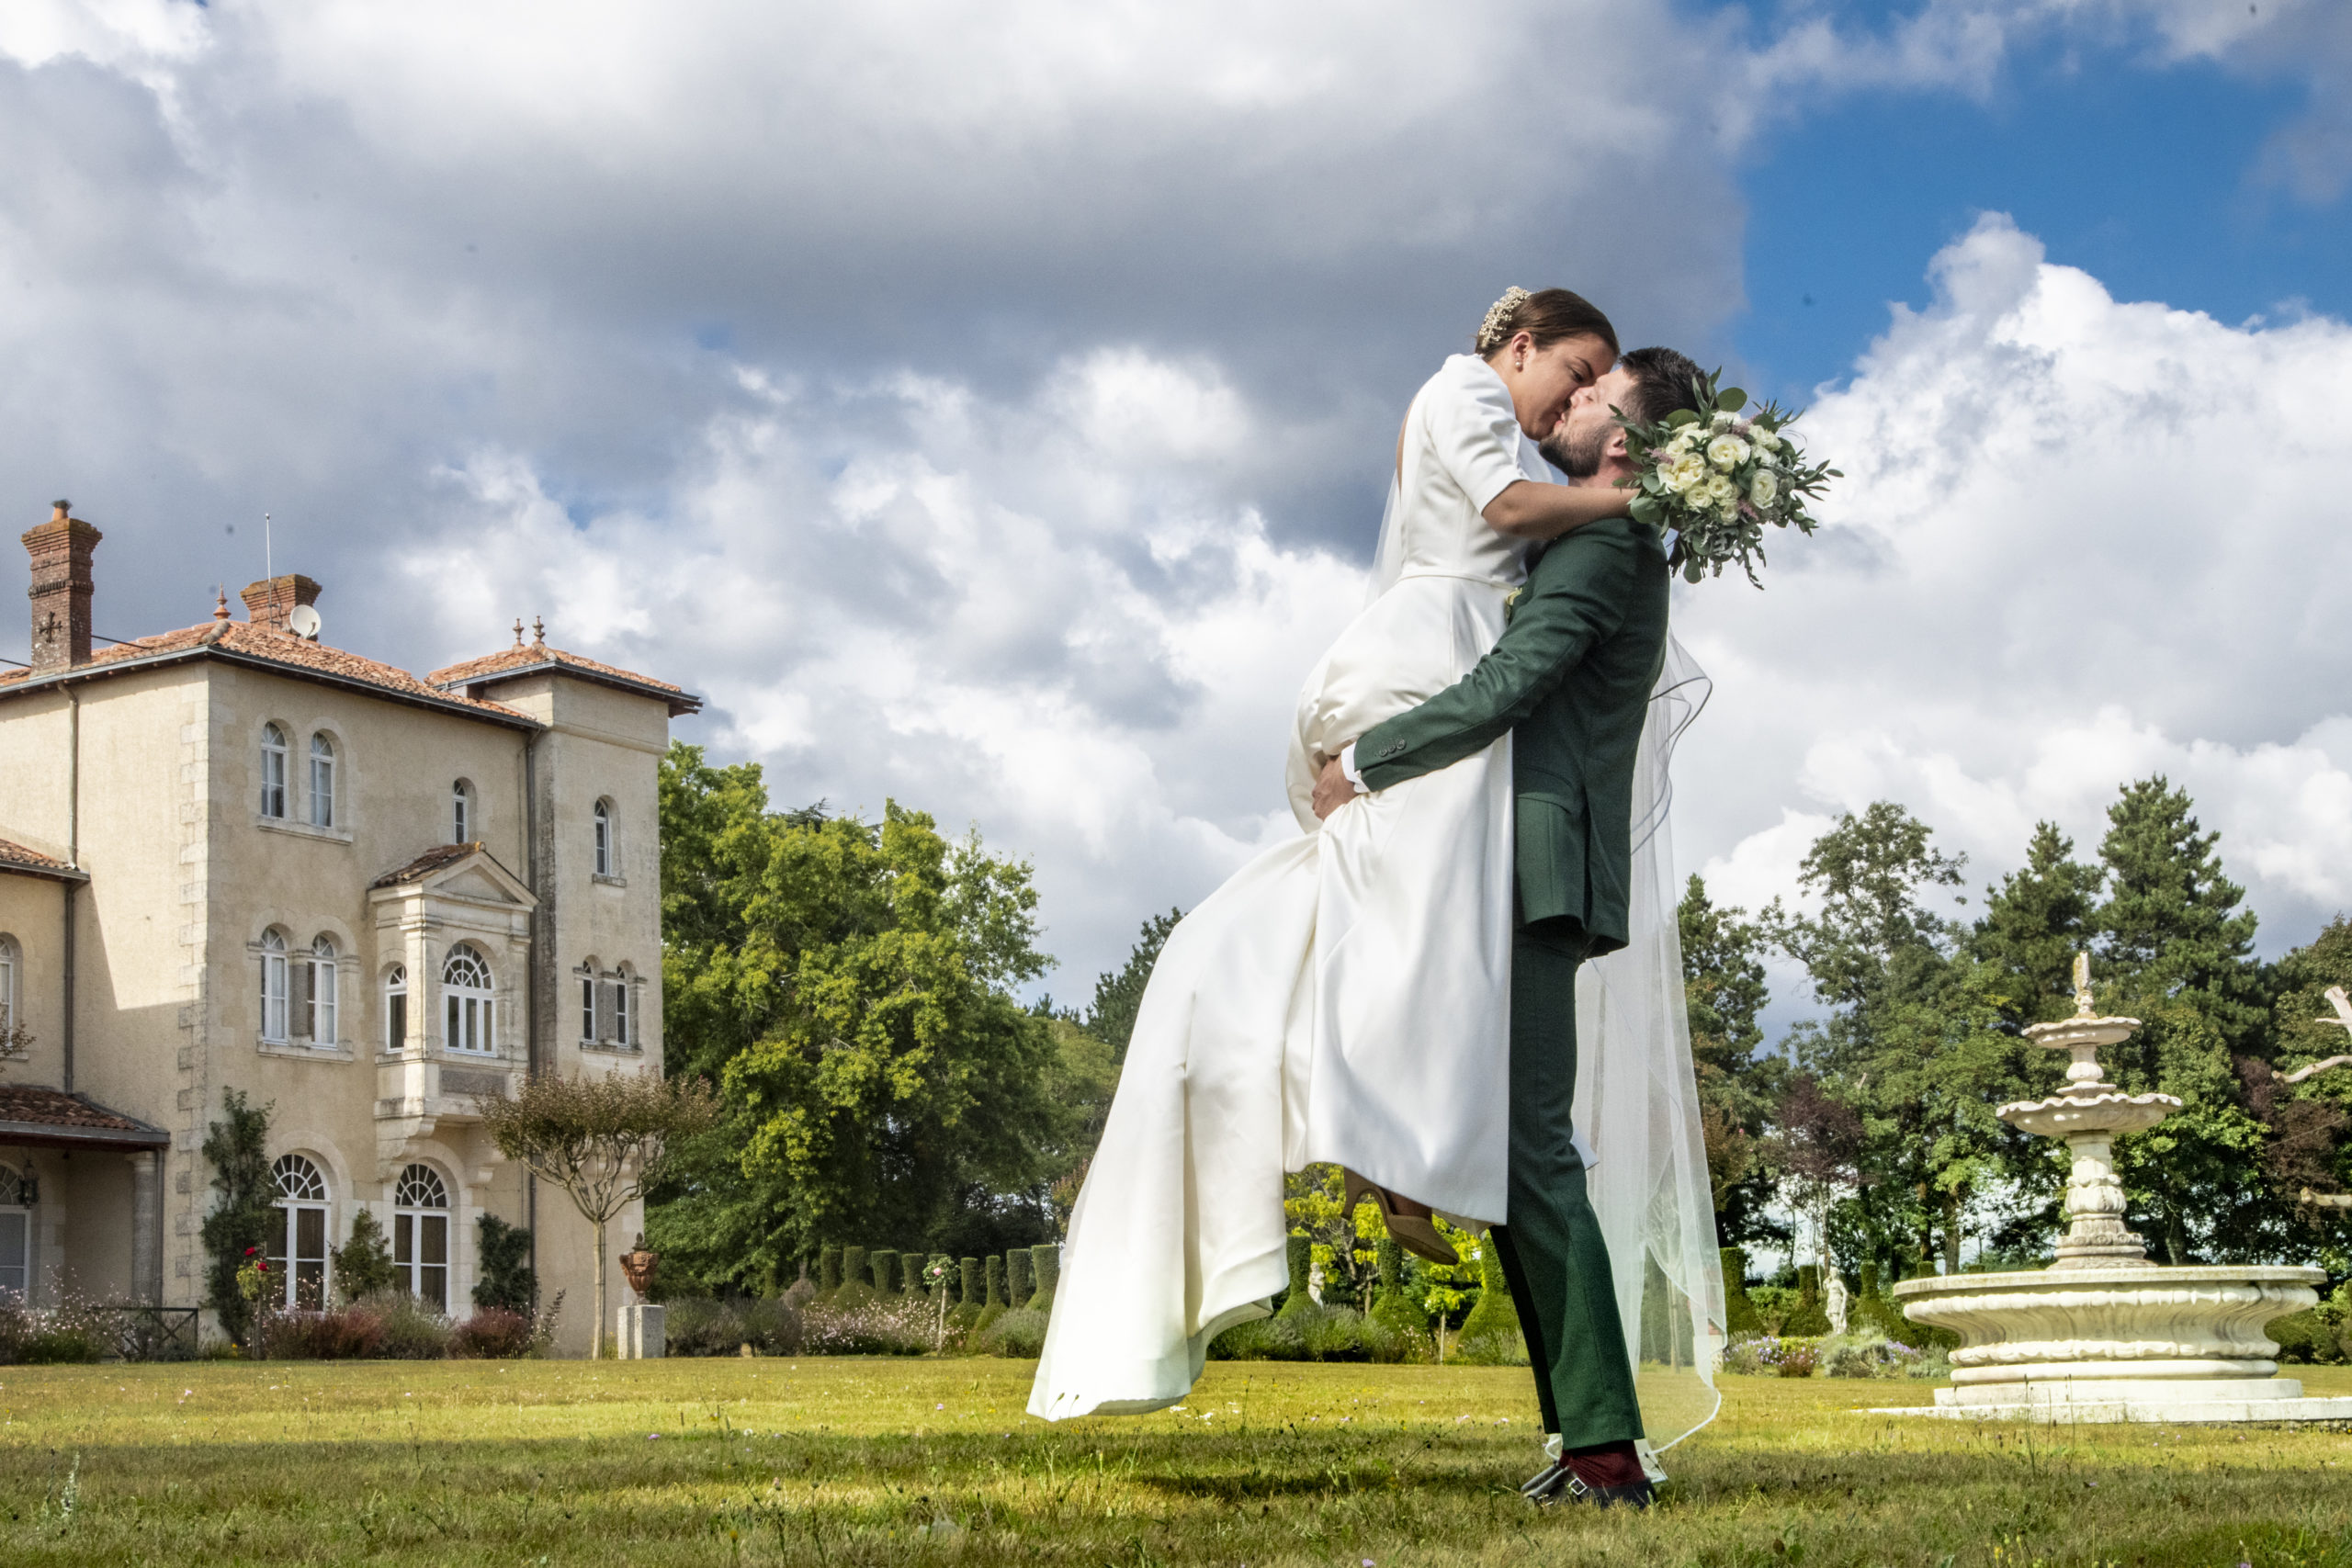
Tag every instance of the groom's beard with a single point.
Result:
(1575, 450)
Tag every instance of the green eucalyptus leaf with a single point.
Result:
(1731, 399)
(1681, 417)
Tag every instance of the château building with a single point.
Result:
(236, 857)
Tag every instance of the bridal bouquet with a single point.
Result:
(1719, 479)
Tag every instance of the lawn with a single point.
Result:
(871, 1461)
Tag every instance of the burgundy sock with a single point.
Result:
(1606, 1464)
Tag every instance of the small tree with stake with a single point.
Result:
(599, 1139)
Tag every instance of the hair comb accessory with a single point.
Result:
(1494, 331)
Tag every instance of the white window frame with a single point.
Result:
(16, 1235)
(624, 1023)
(273, 772)
(606, 857)
(417, 1217)
(322, 780)
(468, 1012)
(587, 1008)
(302, 1195)
(396, 1009)
(326, 994)
(7, 989)
(462, 813)
(273, 1004)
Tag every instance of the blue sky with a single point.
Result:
(2151, 176)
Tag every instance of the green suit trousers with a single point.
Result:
(1552, 1252)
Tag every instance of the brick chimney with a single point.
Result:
(60, 593)
(270, 601)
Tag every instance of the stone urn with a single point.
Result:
(2102, 1334)
(637, 1267)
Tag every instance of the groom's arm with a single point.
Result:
(1576, 596)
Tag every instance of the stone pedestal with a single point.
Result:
(644, 1334)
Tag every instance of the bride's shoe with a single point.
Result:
(1415, 1233)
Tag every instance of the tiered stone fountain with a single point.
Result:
(2104, 1335)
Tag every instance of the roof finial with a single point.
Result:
(518, 631)
(221, 603)
(538, 632)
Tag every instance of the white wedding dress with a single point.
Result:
(1345, 996)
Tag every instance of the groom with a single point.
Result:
(1570, 680)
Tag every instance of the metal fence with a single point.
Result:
(154, 1333)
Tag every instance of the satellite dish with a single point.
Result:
(303, 623)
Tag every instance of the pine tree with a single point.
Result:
(2034, 923)
(1112, 1018)
(2178, 955)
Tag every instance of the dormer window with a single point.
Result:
(273, 770)
(321, 781)
(605, 858)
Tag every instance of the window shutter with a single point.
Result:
(623, 1031)
(604, 1012)
(300, 1022)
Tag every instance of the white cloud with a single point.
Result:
(2082, 541)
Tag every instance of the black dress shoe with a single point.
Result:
(1558, 1484)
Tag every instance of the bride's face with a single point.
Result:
(1542, 380)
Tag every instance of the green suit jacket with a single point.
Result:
(1570, 681)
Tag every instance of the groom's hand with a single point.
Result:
(1333, 789)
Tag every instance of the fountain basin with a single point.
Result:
(2119, 1344)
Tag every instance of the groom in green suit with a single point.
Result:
(1570, 681)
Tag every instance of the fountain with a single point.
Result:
(2102, 1334)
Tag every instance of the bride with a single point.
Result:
(1345, 996)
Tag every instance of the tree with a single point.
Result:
(364, 1264)
(1117, 995)
(245, 1195)
(507, 1279)
(2178, 954)
(849, 986)
(2305, 1104)
(1911, 1045)
(2034, 923)
(599, 1139)
(1723, 986)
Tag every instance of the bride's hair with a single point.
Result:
(1547, 316)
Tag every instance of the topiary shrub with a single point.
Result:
(1739, 1314)
(1300, 1254)
(492, 1333)
(829, 1269)
(992, 1305)
(1019, 1282)
(1046, 1258)
(1808, 1318)
(1260, 1339)
(362, 1265)
(1393, 1305)
(507, 1283)
(698, 1325)
(964, 1315)
(1494, 1320)
(801, 1293)
(882, 1266)
(910, 1266)
(1019, 1333)
(853, 1266)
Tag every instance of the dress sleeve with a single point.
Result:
(1474, 431)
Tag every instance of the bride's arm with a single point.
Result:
(1529, 510)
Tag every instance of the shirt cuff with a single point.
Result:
(1348, 766)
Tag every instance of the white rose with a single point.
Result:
(1727, 452)
(1725, 417)
(1721, 491)
(1762, 488)
(1684, 472)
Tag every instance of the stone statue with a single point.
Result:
(1836, 1303)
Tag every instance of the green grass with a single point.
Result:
(858, 1461)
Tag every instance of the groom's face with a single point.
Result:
(1587, 442)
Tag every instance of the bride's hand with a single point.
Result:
(1333, 789)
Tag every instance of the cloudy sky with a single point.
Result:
(986, 407)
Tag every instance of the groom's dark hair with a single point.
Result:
(1663, 381)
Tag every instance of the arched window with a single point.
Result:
(321, 781)
(462, 813)
(15, 1234)
(605, 860)
(9, 1037)
(421, 1235)
(395, 1007)
(624, 1014)
(468, 1006)
(325, 990)
(296, 1242)
(272, 986)
(273, 770)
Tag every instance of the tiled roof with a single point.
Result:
(296, 656)
(16, 857)
(32, 1114)
(520, 659)
(428, 863)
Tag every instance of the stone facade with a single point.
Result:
(250, 861)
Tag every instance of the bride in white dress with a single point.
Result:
(1344, 996)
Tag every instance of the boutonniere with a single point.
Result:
(1511, 605)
